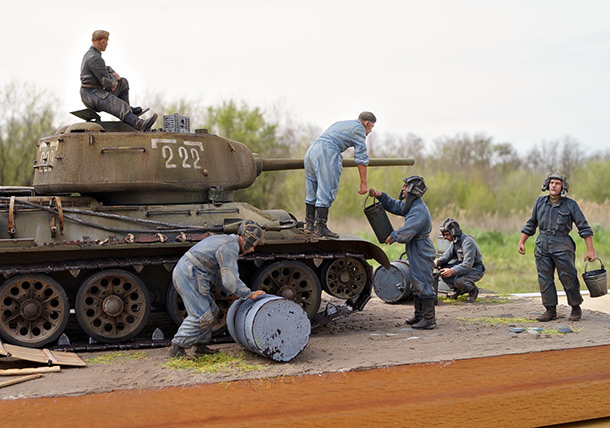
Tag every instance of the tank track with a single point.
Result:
(329, 314)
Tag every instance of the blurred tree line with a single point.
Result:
(465, 173)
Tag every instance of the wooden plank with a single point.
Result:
(42, 355)
(19, 380)
(29, 370)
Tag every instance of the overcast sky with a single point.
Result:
(521, 71)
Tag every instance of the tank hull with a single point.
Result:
(70, 241)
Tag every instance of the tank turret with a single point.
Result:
(154, 168)
(112, 210)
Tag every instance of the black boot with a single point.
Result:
(428, 322)
(576, 313)
(473, 293)
(548, 315)
(201, 349)
(145, 125)
(310, 218)
(176, 351)
(320, 228)
(418, 314)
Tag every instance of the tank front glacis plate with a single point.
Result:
(131, 168)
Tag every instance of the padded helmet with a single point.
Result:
(453, 227)
(252, 233)
(416, 186)
(556, 176)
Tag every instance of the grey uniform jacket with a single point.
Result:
(555, 224)
(467, 253)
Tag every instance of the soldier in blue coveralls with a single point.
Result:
(461, 265)
(553, 215)
(212, 260)
(415, 234)
(323, 167)
(102, 89)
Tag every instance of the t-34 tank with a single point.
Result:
(112, 210)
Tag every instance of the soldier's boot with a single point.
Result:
(176, 351)
(576, 313)
(548, 315)
(320, 228)
(418, 314)
(428, 321)
(457, 292)
(201, 349)
(473, 293)
(310, 218)
(146, 125)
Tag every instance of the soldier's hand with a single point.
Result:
(388, 240)
(256, 293)
(447, 272)
(363, 189)
(590, 256)
(374, 193)
(521, 248)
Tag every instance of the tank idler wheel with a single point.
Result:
(177, 310)
(34, 310)
(344, 277)
(292, 280)
(112, 305)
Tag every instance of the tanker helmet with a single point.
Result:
(252, 233)
(453, 227)
(556, 176)
(416, 186)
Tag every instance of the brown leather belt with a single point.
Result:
(91, 86)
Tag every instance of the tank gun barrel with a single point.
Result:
(283, 164)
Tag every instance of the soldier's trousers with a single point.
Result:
(193, 285)
(562, 261)
(463, 283)
(116, 102)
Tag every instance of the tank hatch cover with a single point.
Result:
(87, 114)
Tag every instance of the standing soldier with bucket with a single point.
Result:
(554, 215)
(415, 234)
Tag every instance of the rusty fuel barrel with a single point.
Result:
(270, 326)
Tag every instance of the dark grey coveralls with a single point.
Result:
(468, 267)
(96, 88)
(555, 249)
(415, 234)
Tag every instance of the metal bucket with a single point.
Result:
(394, 284)
(270, 326)
(378, 219)
(596, 280)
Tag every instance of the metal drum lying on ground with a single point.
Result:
(270, 326)
(394, 284)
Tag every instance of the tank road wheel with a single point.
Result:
(344, 277)
(112, 305)
(34, 310)
(177, 311)
(292, 280)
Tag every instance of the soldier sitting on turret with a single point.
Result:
(102, 89)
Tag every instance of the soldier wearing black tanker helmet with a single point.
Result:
(554, 215)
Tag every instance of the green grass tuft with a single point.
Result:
(223, 361)
(114, 357)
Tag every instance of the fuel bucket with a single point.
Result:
(270, 326)
(596, 280)
(378, 219)
(394, 284)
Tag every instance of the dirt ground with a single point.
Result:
(376, 337)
